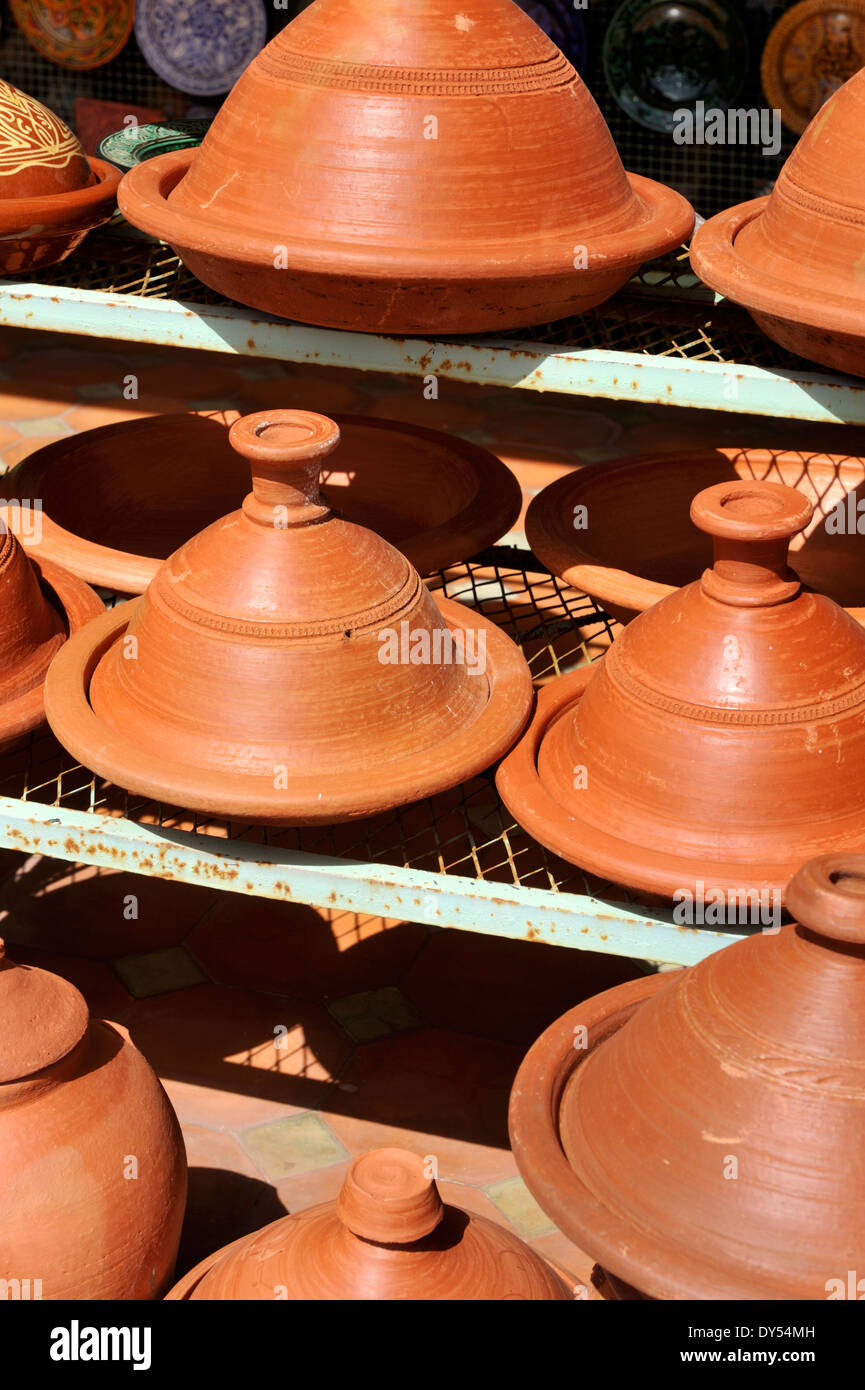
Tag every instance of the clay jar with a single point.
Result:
(702, 1134)
(389, 1237)
(51, 193)
(35, 621)
(719, 741)
(434, 166)
(288, 666)
(794, 258)
(94, 1170)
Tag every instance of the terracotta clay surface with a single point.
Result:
(288, 666)
(408, 169)
(692, 1144)
(388, 1237)
(51, 193)
(794, 258)
(35, 620)
(118, 500)
(633, 545)
(719, 740)
(78, 1104)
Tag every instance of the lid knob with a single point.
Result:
(388, 1198)
(284, 449)
(827, 897)
(752, 524)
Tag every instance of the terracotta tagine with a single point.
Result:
(94, 1169)
(702, 1134)
(51, 193)
(719, 741)
(388, 1237)
(118, 500)
(408, 166)
(794, 259)
(621, 531)
(35, 620)
(288, 666)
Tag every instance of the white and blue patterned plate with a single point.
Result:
(200, 46)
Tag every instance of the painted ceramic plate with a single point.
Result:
(561, 22)
(75, 33)
(661, 57)
(200, 46)
(133, 144)
(811, 52)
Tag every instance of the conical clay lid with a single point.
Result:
(721, 740)
(715, 1142)
(389, 1236)
(31, 630)
(42, 1017)
(39, 155)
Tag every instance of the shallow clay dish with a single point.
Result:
(378, 175)
(388, 1237)
(77, 36)
(812, 51)
(288, 666)
(719, 741)
(794, 259)
(636, 545)
(689, 1139)
(118, 500)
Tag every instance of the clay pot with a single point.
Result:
(94, 1170)
(51, 193)
(702, 1134)
(39, 607)
(408, 168)
(794, 258)
(632, 544)
(288, 666)
(718, 742)
(388, 1237)
(118, 500)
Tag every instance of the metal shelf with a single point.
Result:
(664, 339)
(456, 860)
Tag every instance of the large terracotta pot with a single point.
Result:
(721, 739)
(94, 1170)
(794, 259)
(118, 500)
(39, 608)
(702, 1134)
(288, 666)
(388, 1237)
(619, 531)
(408, 166)
(51, 193)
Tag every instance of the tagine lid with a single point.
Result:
(388, 1236)
(719, 739)
(39, 154)
(709, 1139)
(42, 1018)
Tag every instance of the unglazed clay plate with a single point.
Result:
(133, 144)
(811, 52)
(78, 36)
(200, 46)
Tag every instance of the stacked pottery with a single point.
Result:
(388, 1237)
(794, 259)
(433, 166)
(51, 193)
(720, 742)
(94, 1171)
(702, 1135)
(287, 666)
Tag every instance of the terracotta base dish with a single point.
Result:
(388, 1237)
(51, 193)
(794, 259)
(685, 1131)
(634, 545)
(719, 742)
(287, 666)
(40, 606)
(120, 499)
(94, 1168)
(408, 177)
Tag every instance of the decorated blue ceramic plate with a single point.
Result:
(200, 46)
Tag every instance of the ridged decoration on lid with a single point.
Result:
(39, 155)
(42, 1018)
(31, 630)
